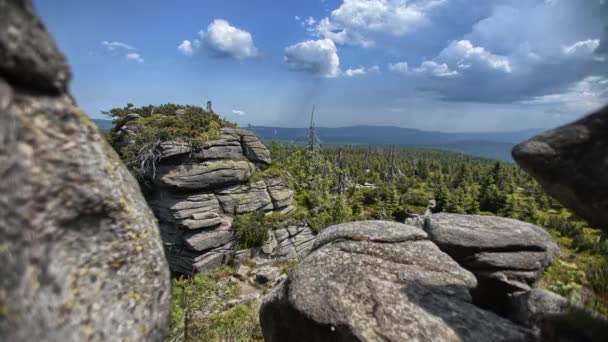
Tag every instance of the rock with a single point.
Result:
(266, 274)
(208, 262)
(80, 250)
(245, 199)
(505, 255)
(379, 281)
(242, 255)
(243, 272)
(131, 117)
(174, 148)
(571, 164)
(294, 242)
(204, 176)
(554, 318)
(253, 149)
(29, 57)
(206, 240)
(280, 194)
(530, 308)
(271, 243)
(180, 112)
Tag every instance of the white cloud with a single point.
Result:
(133, 56)
(465, 55)
(186, 48)
(111, 46)
(319, 57)
(238, 112)
(358, 22)
(361, 71)
(227, 40)
(310, 21)
(296, 18)
(435, 69)
(401, 68)
(581, 48)
(587, 94)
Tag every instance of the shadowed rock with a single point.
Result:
(571, 164)
(80, 250)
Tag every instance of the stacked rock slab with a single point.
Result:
(81, 257)
(505, 255)
(198, 192)
(379, 281)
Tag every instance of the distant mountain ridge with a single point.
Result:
(492, 145)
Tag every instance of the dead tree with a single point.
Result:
(312, 139)
(342, 172)
(209, 107)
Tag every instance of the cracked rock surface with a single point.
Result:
(379, 281)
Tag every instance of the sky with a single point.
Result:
(440, 65)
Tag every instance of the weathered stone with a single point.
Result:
(530, 308)
(266, 274)
(253, 148)
(80, 250)
(506, 255)
(132, 117)
(245, 199)
(207, 240)
(270, 244)
(571, 164)
(180, 112)
(242, 272)
(379, 281)
(174, 148)
(208, 262)
(29, 57)
(280, 194)
(204, 176)
(202, 223)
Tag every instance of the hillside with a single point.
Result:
(491, 145)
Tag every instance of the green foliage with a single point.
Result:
(565, 279)
(159, 123)
(197, 312)
(251, 230)
(597, 278)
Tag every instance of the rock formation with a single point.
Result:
(505, 255)
(197, 192)
(571, 163)
(80, 250)
(377, 280)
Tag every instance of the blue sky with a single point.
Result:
(443, 65)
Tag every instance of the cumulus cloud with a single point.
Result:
(225, 40)
(188, 47)
(319, 57)
(360, 22)
(111, 46)
(238, 112)
(581, 48)
(465, 55)
(361, 71)
(435, 69)
(587, 94)
(135, 57)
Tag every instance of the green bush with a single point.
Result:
(251, 230)
(597, 278)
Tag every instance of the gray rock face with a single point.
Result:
(571, 164)
(379, 281)
(205, 175)
(80, 250)
(533, 307)
(199, 190)
(293, 242)
(506, 255)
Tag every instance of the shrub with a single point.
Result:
(251, 230)
(597, 278)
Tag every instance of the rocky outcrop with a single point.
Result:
(198, 191)
(290, 242)
(379, 281)
(571, 164)
(505, 255)
(80, 250)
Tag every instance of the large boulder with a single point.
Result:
(571, 164)
(206, 175)
(80, 250)
(379, 281)
(505, 255)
